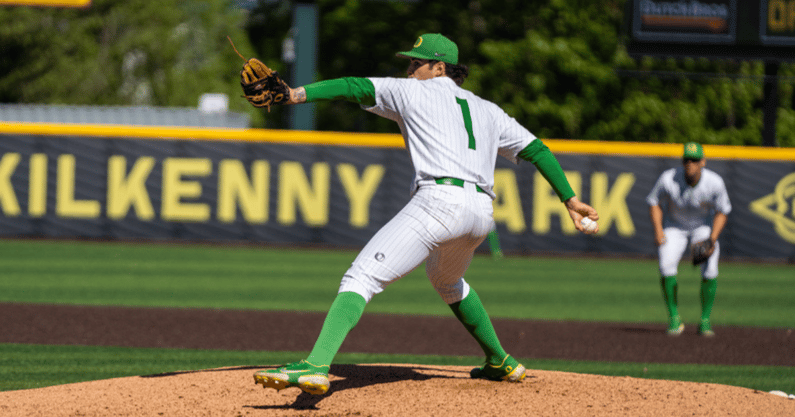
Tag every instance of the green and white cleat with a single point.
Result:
(510, 370)
(675, 326)
(310, 378)
(705, 330)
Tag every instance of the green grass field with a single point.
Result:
(244, 277)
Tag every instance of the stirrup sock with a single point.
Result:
(473, 316)
(669, 290)
(342, 316)
(708, 289)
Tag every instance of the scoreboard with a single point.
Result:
(742, 29)
(779, 18)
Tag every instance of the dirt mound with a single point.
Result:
(391, 390)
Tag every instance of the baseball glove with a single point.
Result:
(262, 86)
(701, 251)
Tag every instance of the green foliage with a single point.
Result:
(558, 66)
(135, 52)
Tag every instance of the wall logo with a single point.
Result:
(779, 208)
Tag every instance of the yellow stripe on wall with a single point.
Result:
(673, 150)
(382, 140)
(47, 3)
(211, 134)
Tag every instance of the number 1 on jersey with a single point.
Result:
(467, 120)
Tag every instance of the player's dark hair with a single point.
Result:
(458, 73)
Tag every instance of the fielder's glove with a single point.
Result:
(701, 251)
(262, 86)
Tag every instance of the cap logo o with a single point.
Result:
(692, 148)
(418, 43)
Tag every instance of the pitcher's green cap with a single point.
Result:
(693, 150)
(433, 46)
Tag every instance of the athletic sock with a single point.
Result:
(473, 316)
(708, 289)
(669, 290)
(342, 316)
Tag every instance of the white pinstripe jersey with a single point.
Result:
(449, 131)
(687, 207)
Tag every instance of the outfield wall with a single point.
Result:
(283, 187)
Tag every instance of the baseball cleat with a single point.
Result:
(704, 329)
(675, 326)
(510, 370)
(310, 378)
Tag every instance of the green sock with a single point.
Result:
(494, 244)
(473, 316)
(342, 316)
(669, 290)
(708, 288)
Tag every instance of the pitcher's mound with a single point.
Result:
(391, 390)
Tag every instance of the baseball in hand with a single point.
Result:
(588, 225)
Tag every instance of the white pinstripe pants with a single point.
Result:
(442, 224)
(675, 246)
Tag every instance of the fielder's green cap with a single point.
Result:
(433, 46)
(693, 150)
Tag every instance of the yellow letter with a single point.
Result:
(234, 187)
(130, 190)
(791, 16)
(65, 204)
(360, 192)
(508, 205)
(613, 204)
(174, 189)
(294, 188)
(37, 199)
(546, 203)
(776, 15)
(8, 199)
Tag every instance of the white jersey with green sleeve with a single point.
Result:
(687, 207)
(449, 132)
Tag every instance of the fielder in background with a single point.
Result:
(453, 138)
(689, 205)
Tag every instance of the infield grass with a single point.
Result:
(246, 277)
(36, 366)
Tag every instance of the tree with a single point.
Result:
(559, 66)
(133, 52)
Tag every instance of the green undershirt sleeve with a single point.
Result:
(539, 155)
(355, 89)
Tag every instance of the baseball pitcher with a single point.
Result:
(453, 138)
